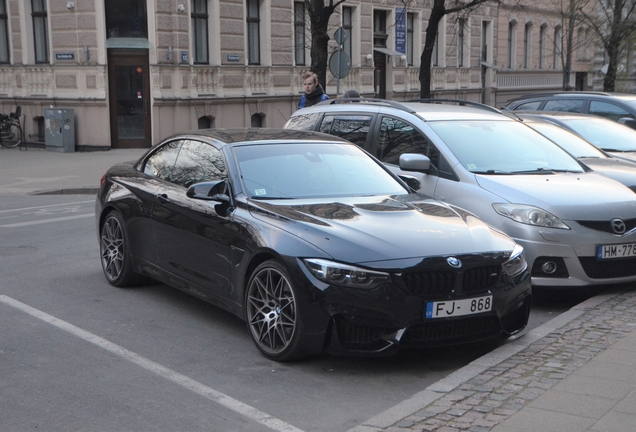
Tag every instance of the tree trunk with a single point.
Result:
(437, 13)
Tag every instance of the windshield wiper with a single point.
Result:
(618, 151)
(536, 171)
(266, 197)
(492, 172)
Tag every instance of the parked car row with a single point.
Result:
(371, 226)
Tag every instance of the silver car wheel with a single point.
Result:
(112, 248)
(271, 310)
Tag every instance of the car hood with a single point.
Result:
(630, 155)
(620, 170)
(373, 229)
(569, 196)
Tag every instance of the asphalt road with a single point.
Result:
(79, 354)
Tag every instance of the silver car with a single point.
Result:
(614, 138)
(577, 227)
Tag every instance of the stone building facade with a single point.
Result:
(136, 71)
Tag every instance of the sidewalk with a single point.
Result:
(575, 373)
(37, 171)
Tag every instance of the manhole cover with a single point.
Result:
(20, 250)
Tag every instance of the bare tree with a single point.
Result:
(319, 14)
(614, 23)
(437, 13)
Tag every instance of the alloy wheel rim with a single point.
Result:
(271, 311)
(112, 248)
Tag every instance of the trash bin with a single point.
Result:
(59, 130)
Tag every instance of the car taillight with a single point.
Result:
(102, 181)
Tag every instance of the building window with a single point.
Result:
(205, 122)
(4, 33)
(40, 31)
(257, 120)
(347, 25)
(486, 41)
(200, 30)
(435, 55)
(299, 33)
(556, 51)
(527, 48)
(410, 31)
(125, 18)
(379, 28)
(512, 45)
(460, 42)
(543, 32)
(253, 32)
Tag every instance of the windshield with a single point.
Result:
(503, 147)
(311, 170)
(572, 143)
(604, 134)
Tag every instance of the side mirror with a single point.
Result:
(414, 162)
(411, 181)
(210, 191)
(628, 121)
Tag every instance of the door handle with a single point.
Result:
(163, 198)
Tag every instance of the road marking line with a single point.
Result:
(177, 378)
(42, 221)
(45, 206)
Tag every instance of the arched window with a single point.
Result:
(258, 120)
(205, 122)
(512, 44)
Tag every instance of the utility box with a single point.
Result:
(59, 130)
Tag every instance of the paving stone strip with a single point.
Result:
(492, 396)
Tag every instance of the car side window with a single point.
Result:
(608, 110)
(528, 106)
(565, 105)
(305, 122)
(198, 162)
(354, 128)
(398, 137)
(161, 163)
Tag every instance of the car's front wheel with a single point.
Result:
(115, 252)
(272, 312)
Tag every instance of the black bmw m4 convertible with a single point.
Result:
(311, 241)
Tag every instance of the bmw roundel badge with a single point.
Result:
(454, 262)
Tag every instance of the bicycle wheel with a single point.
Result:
(11, 136)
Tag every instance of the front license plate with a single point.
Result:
(454, 308)
(616, 251)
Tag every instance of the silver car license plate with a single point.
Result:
(454, 308)
(616, 251)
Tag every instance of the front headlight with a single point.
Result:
(516, 263)
(529, 215)
(334, 273)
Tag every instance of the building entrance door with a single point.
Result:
(129, 97)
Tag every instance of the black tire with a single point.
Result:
(272, 314)
(115, 252)
(12, 136)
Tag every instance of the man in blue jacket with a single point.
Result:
(313, 91)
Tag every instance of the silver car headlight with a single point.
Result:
(334, 273)
(516, 263)
(530, 215)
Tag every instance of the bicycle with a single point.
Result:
(11, 129)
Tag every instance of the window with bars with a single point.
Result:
(460, 42)
(299, 33)
(4, 33)
(200, 31)
(253, 32)
(410, 31)
(40, 31)
(347, 25)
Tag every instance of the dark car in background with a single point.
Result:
(620, 107)
(311, 241)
